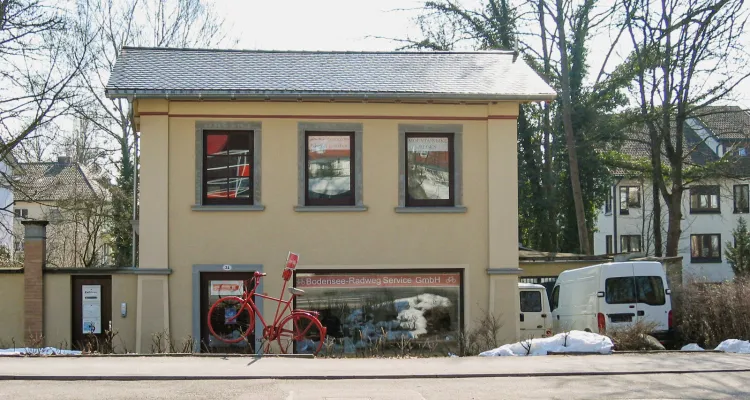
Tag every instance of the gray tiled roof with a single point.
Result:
(156, 72)
(636, 144)
(726, 122)
(54, 181)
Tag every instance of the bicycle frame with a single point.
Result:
(249, 301)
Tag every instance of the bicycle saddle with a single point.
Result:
(298, 292)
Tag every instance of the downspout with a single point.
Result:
(615, 213)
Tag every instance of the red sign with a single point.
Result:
(291, 260)
(378, 280)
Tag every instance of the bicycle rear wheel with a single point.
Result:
(301, 333)
(230, 320)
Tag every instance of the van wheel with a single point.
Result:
(587, 330)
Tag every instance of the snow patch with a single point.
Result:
(577, 342)
(734, 346)
(44, 351)
(691, 347)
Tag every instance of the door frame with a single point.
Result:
(105, 281)
(197, 318)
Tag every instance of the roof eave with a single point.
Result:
(277, 95)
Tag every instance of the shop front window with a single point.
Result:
(382, 311)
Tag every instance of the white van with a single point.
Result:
(536, 320)
(608, 296)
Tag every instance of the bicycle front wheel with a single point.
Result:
(301, 332)
(230, 320)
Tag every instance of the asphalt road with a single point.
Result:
(662, 386)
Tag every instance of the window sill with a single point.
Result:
(431, 210)
(705, 211)
(227, 208)
(330, 208)
(742, 211)
(705, 261)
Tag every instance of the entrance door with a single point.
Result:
(92, 313)
(215, 285)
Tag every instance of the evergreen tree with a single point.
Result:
(738, 254)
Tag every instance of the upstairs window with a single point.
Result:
(429, 169)
(608, 203)
(704, 199)
(630, 197)
(630, 243)
(705, 248)
(21, 213)
(329, 171)
(227, 161)
(741, 204)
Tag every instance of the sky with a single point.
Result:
(350, 25)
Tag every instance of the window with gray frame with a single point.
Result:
(330, 167)
(227, 165)
(430, 168)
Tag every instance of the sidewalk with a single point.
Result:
(203, 368)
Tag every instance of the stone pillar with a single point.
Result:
(152, 309)
(503, 271)
(35, 256)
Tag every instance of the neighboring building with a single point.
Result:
(69, 196)
(711, 208)
(7, 209)
(392, 174)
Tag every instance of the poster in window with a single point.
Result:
(92, 308)
(226, 288)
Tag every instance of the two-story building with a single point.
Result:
(710, 208)
(392, 174)
(70, 197)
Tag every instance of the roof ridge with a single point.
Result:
(261, 51)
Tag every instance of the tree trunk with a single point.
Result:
(583, 232)
(675, 218)
(658, 244)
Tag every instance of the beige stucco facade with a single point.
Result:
(11, 309)
(173, 235)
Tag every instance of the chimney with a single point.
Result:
(35, 255)
(63, 160)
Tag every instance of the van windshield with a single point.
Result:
(641, 289)
(531, 301)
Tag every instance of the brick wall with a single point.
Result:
(34, 260)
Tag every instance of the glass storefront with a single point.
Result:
(384, 309)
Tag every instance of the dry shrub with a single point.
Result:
(483, 337)
(634, 337)
(709, 313)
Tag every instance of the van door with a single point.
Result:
(618, 306)
(532, 313)
(653, 305)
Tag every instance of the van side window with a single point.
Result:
(641, 289)
(531, 301)
(555, 297)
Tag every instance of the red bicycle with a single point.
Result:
(231, 319)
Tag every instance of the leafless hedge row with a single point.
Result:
(708, 313)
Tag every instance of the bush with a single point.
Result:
(709, 313)
(635, 337)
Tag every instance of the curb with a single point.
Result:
(357, 377)
(197, 355)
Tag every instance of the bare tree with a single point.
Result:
(120, 23)
(41, 56)
(687, 55)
